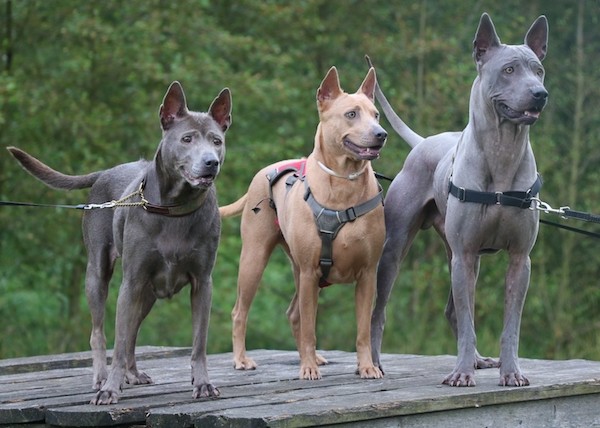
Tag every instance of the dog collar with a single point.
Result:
(350, 177)
(169, 210)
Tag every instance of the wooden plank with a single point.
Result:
(79, 359)
(272, 395)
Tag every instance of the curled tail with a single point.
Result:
(51, 177)
(401, 128)
(234, 208)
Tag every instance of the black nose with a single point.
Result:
(211, 163)
(540, 94)
(381, 136)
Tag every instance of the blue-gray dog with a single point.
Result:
(474, 187)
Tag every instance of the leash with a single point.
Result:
(112, 204)
(567, 213)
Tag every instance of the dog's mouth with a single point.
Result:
(526, 117)
(363, 153)
(199, 181)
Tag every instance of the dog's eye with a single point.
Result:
(540, 72)
(351, 114)
(217, 141)
(377, 116)
(186, 139)
(509, 70)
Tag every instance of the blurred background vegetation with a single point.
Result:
(80, 86)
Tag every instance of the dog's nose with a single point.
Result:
(381, 136)
(211, 163)
(540, 93)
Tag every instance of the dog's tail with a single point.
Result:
(50, 177)
(234, 208)
(401, 128)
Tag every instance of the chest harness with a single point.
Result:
(328, 221)
(510, 198)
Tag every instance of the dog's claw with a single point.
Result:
(459, 379)
(139, 378)
(321, 361)
(245, 363)
(513, 379)
(485, 362)
(205, 390)
(310, 373)
(371, 372)
(105, 397)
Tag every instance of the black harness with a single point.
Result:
(328, 221)
(510, 198)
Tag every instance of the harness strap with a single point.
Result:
(511, 198)
(329, 222)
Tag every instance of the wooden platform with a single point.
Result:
(54, 391)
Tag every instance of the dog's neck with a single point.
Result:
(164, 189)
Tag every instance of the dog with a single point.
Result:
(336, 186)
(167, 242)
(474, 187)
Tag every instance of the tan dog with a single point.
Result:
(277, 209)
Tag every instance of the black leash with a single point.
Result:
(570, 228)
(30, 204)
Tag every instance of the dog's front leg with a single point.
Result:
(363, 298)
(201, 297)
(132, 306)
(517, 283)
(463, 291)
(308, 294)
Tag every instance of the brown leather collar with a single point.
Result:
(170, 210)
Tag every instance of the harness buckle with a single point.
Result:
(326, 262)
(350, 215)
(498, 198)
(462, 194)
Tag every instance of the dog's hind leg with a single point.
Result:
(255, 253)
(403, 219)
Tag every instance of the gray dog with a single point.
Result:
(474, 188)
(170, 242)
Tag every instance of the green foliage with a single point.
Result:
(80, 86)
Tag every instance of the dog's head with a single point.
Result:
(513, 75)
(193, 144)
(352, 119)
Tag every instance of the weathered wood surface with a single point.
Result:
(55, 391)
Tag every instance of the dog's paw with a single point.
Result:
(205, 390)
(485, 362)
(137, 378)
(308, 372)
(245, 363)
(369, 372)
(105, 397)
(321, 361)
(457, 378)
(513, 379)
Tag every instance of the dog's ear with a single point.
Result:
(173, 105)
(330, 87)
(486, 38)
(537, 37)
(220, 109)
(368, 85)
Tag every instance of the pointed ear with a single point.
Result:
(220, 109)
(485, 38)
(368, 85)
(330, 87)
(537, 37)
(173, 105)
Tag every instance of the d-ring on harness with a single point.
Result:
(329, 222)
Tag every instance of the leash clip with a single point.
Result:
(540, 205)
